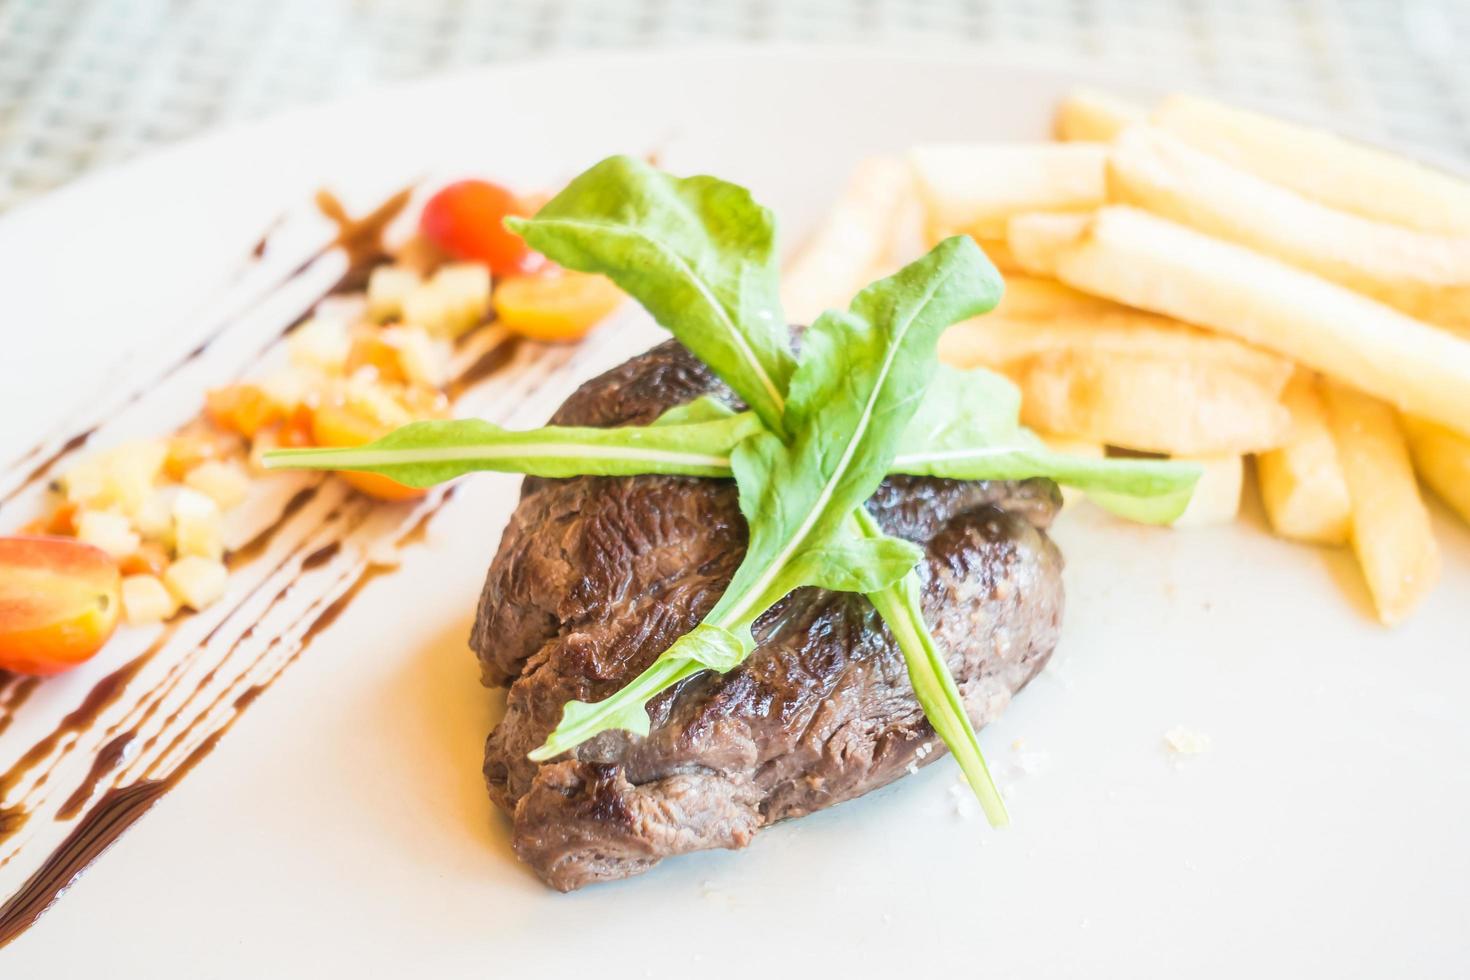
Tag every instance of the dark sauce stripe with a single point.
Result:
(114, 813)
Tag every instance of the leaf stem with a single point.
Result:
(933, 684)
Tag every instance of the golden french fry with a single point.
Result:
(1390, 525)
(1091, 115)
(1339, 173)
(1031, 297)
(1132, 380)
(855, 237)
(976, 187)
(1145, 261)
(1302, 483)
(1037, 239)
(999, 253)
(996, 340)
(1425, 275)
(1442, 458)
(1216, 497)
(1148, 404)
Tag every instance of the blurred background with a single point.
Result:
(86, 83)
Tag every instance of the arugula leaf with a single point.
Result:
(697, 252)
(965, 429)
(861, 377)
(933, 685)
(693, 440)
(968, 429)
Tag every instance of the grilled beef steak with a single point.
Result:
(596, 576)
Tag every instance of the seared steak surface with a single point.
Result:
(596, 576)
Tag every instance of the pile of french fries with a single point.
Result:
(1200, 282)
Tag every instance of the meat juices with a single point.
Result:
(596, 576)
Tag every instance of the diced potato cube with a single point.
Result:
(388, 287)
(154, 518)
(146, 599)
(196, 444)
(320, 343)
(374, 401)
(226, 483)
(121, 477)
(453, 302)
(111, 532)
(196, 582)
(294, 385)
(422, 359)
(198, 528)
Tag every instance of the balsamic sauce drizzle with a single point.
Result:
(122, 805)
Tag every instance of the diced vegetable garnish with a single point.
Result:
(121, 477)
(195, 581)
(112, 532)
(198, 529)
(242, 408)
(188, 449)
(151, 558)
(145, 599)
(388, 287)
(372, 352)
(451, 302)
(154, 519)
(227, 484)
(421, 359)
(320, 343)
(59, 602)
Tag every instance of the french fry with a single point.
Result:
(1216, 497)
(1390, 525)
(1136, 258)
(1147, 404)
(1031, 297)
(1091, 115)
(975, 188)
(1132, 380)
(854, 238)
(1037, 239)
(1424, 275)
(1442, 458)
(1341, 174)
(997, 340)
(1302, 483)
(999, 253)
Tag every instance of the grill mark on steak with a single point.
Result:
(596, 576)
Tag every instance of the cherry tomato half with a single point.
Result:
(59, 602)
(465, 220)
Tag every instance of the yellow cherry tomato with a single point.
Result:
(558, 305)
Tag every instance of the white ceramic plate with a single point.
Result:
(342, 828)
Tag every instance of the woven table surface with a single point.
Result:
(86, 83)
